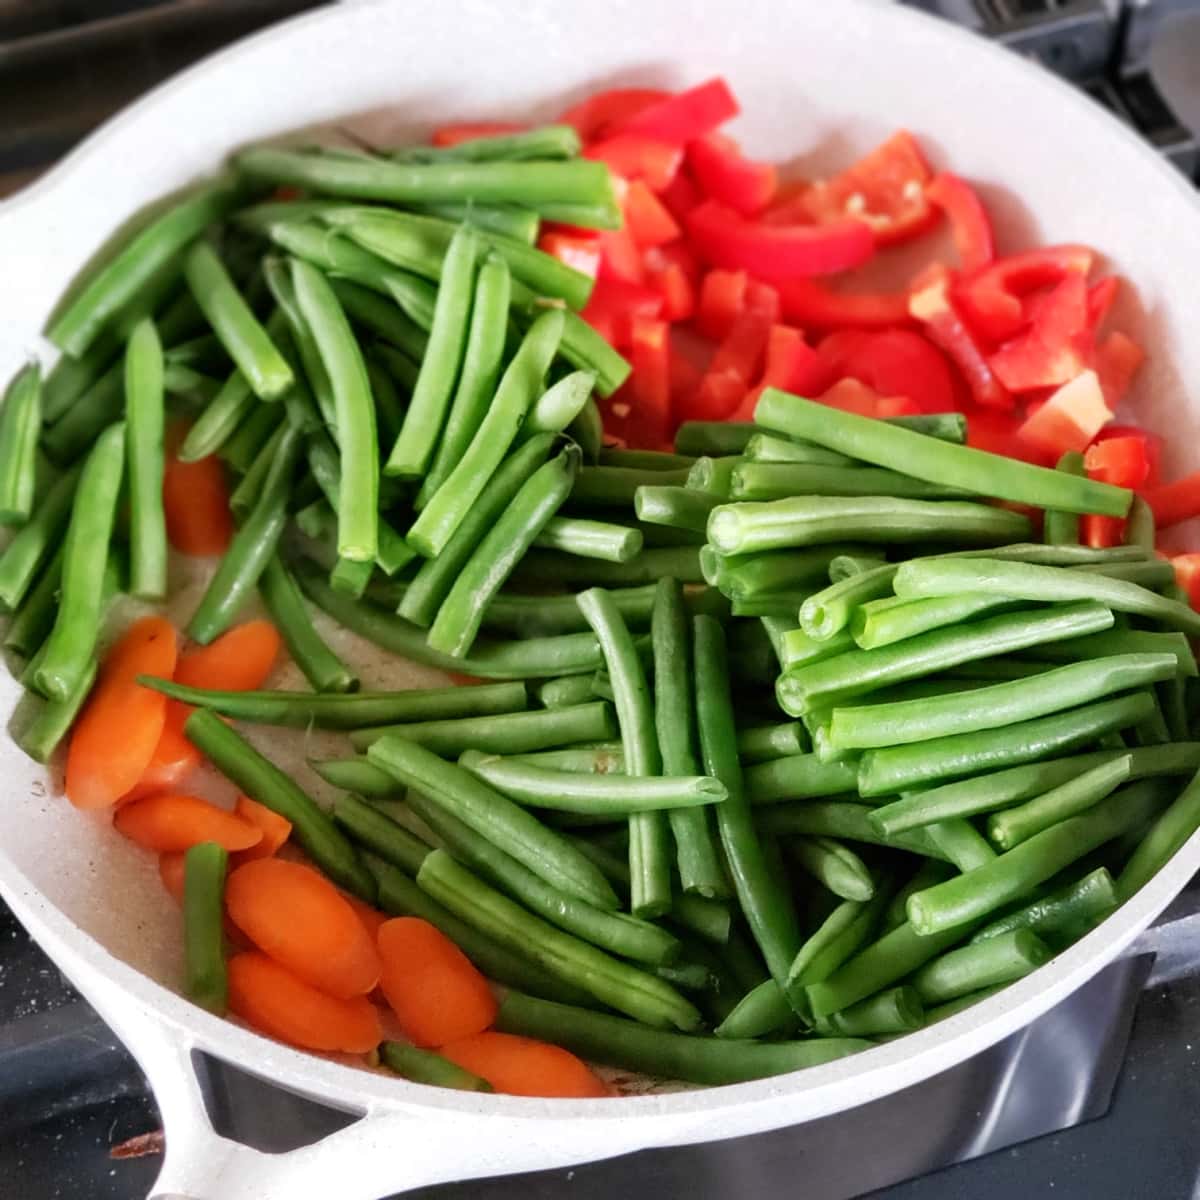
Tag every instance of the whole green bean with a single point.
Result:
(1152, 574)
(1059, 526)
(1015, 825)
(372, 828)
(829, 681)
(33, 542)
(770, 604)
(600, 758)
(767, 908)
(763, 1010)
(119, 281)
(145, 456)
(425, 1066)
(252, 548)
(589, 539)
(381, 316)
(623, 1043)
(246, 494)
(840, 819)
(559, 405)
(1062, 915)
(1013, 875)
(70, 647)
(780, 481)
(588, 428)
(544, 141)
(356, 774)
(893, 1011)
(542, 567)
(961, 843)
(252, 435)
(936, 461)
(562, 693)
(996, 960)
(71, 378)
(1029, 581)
(261, 780)
(221, 417)
(1116, 641)
(1167, 834)
(54, 718)
(835, 866)
(279, 275)
(624, 987)
(20, 425)
(205, 981)
(448, 507)
(34, 619)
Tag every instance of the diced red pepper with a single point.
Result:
(993, 300)
(727, 176)
(648, 220)
(1152, 445)
(613, 305)
(620, 257)
(667, 275)
(722, 299)
(885, 190)
(791, 365)
(635, 157)
(970, 225)
(650, 353)
(1070, 419)
(1102, 295)
(1175, 502)
(1116, 360)
(995, 430)
(468, 131)
(1119, 460)
(850, 395)
(733, 366)
(814, 306)
(932, 304)
(686, 115)
(1053, 350)
(762, 299)
(776, 252)
(1187, 575)
(681, 195)
(895, 362)
(597, 115)
(685, 380)
(580, 251)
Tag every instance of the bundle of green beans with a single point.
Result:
(793, 734)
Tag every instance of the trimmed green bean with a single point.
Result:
(588, 428)
(1117, 641)
(940, 1012)
(677, 506)
(644, 460)
(34, 619)
(543, 567)
(609, 487)
(519, 224)
(356, 775)
(781, 481)
(835, 866)
(562, 693)
(1169, 831)
(221, 417)
(42, 735)
(372, 828)
(590, 539)
(424, 1066)
(252, 435)
(205, 981)
(893, 1011)
(741, 576)
(544, 141)
(763, 743)
(77, 429)
(261, 780)
(1152, 574)
(840, 819)
(713, 438)
(800, 649)
(961, 843)
(713, 476)
(20, 426)
(1140, 529)
(797, 776)
(1063, 915)
(996, 960)
(560, 404)
(32, 544)
(381, 316)
(768, 448)
(894, 618)
(1058, 526)
(936, 461)
(600, 758)
(763, 1010)
(144, 453)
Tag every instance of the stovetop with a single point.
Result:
(1107, 1086)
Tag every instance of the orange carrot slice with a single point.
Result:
(196, 501)
(277, 1003)
(430, 984)
(521, 1066)
(170, 871)
(298, 917)
(174, 821)
(275, 829)
(371, 918)
(117, 731)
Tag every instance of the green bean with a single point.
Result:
(1059, 526)
(205, 981)
(481, 362)
(616, 933)
(424, 1066)
(797, 776)
(1140, 527)
(77, 429)
(119, 281)
(766, 906)
(20, 425)
(1014, 874)
(895, 1010)
(1029, 581)
(252, 548)
(544, 141)
(713, 476)
(533, 658)
(1015, 825)
(261, 780)
(772, 604)
(560, 404)
(835, 866)
(649, 858)
(519, 224)
(529, 615)
(1119, 641)
(34, 619)
(223, 414)
(715, 438)
(246, 494)
(389, 408)
(961, 843)
(930, 871)
(829, 681)
(812, 520)
(600, 758)
(800, 649)
(145, 456)
(1169, 831)
(42, 735)
(251, 436)
(936, 461)
(69, 648)
(449, 506)
(1063, 915)
(840, 819)
(399, 895)
(741, 576)
(761, 1011)
(372, 828)
(1000, 959)
(677, 506)
(644, 460)
(618, 486)
(544, 566)
(589, 539)
(356, 775)
(562, 693)
(939, 1012)
(763, 743)
(894, 618)
(623, 1043)
(779, 481)
(386, 319)
(587, 429)
(72, 378)
(768, 448)
(457, 623)
(1153, 574)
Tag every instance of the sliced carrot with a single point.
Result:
(300, 919)
(275, 829)
(175, 821)
(173, 760)
(196, 502)
(436, 993)
(117, 731)
(521, 1066)
(269, 997)
(170, 871)
(371, 918)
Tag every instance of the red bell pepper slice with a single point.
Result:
(895, 362)
(885, 190)
(762, 299)
(1102, 295)
(685, 380)
(635, 157)
(1187, 575)
(681, 195)
(994, 430)
(993, 300)
(850, 395)
(776, 252)
(686, 115)
(648, 220)
(620, 257)
(722, 300)
(791, 365)
(735, 363)
(727, 176)
(1116, 360)
(1175, 502)
(1070, 419)
(668, 275)
(932, 304)
(1053, 350)
(1119, 460)
(580, 251)
(650, 383)
(599, 114)
(613, 305)
(468, 131)
(970, 225)
(813, 305)
(1152, 446)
